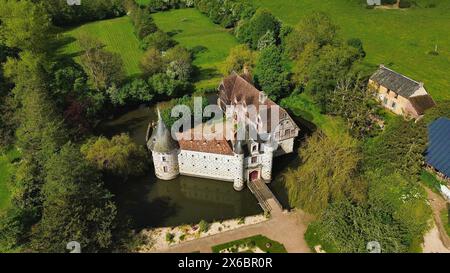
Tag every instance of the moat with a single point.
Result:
(151, 202)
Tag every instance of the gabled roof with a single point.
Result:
(422, 103)
(438, 152)
(396, 82)
(239, 90)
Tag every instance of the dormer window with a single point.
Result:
(255, 148)
(262, 97)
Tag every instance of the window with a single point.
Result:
(255, 148)
(385, 101)
(165, 169)
(254, 159)
(286, 132)
(394, 105)
(164, 159)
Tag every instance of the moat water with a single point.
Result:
(151, 202)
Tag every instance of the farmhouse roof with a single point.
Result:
(161, 140)
(396, 82)
(422, 103)
(438, 152)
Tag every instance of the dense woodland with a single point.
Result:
(362, 185)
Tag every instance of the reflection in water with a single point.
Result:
(185, 200)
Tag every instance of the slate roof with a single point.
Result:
(396, 82)
(422, 103)
(161, 140)
(438, 152)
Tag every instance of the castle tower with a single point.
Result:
(238, 184)
(267, 159)
(164, 151)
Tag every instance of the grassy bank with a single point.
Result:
(117, 35)
(211, 43)
(400, 39)
(262, 242)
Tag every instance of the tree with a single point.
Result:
(103, 68)
(270, 73)
(159, 40)
(137, 90)
(25, 25)
(40, 134)
(399, 148)
(178, 62)
(77, 207)
(328, 173)
(240, 57)
(333, 64)
(261, 22)
(316, 28)
(355, 103)
(266, 40)
(119, 156)
(151, 62)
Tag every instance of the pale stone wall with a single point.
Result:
(267, 159)
(285, 147)
(213, 166)
(395, 103)
(166, 165)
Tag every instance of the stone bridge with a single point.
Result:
(265, 197)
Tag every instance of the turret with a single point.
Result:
(239, 157)
(164, 151)
(267, 158)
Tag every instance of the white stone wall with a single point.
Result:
(285, 147)
(267, 159)
(213, 166)
(166, 165)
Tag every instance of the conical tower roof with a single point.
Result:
(161, 140)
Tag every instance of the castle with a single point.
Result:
(234, 159)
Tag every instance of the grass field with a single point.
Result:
(303, 106)
(118, 36)
(6, 168)
(194, 30)
(400, 39)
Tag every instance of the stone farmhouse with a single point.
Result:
(400, 94)
(229, 158)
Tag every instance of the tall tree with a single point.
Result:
(77, 207)
(104, 68)
(25, 25)
(316, 28)
(240, 57)
(270, 73)
(328, 173)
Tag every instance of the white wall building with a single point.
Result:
(231, 160)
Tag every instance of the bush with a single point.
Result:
(169, 237)
(203, 226)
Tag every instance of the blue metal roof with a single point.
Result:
(438, 152)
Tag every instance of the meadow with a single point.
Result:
(211, 43)
(116, 34)
(400, 39)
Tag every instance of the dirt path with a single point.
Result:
(286, 228)
(437, 205)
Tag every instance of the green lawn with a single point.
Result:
(303, 106)
(6, 169)
(258, 240)
(118, 36)
(194, 30)
(399, 39)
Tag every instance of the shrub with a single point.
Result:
(203, 226)
(169, 237)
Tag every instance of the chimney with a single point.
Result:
(262, 97)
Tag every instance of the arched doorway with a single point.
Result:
(253, 176)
